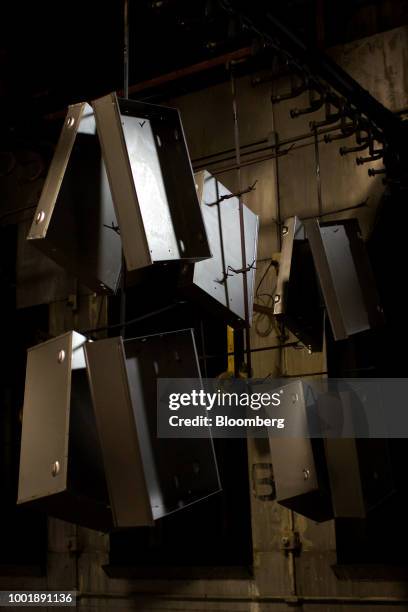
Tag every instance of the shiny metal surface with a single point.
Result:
(59, 163)
(214, 281)
(299, 467)
(345, 276)
(150, 189)
(61, 468)
(151, 181)
(45, 430)
(292, 229)
(148, 477)
(74, 223)
(123, 190)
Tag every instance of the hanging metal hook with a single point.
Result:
(237, 194)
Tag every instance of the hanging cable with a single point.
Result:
(126, 95)
(122, 324)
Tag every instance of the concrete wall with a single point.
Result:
(287, 184)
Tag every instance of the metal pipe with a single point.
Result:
(337, 211)
(373, 171)
(181, 73)
(346, 150)
(126, 48)
(250, 162)
(225, 151)
(122, 315)
(364, 160)
(314, 106)
(200, 162)
(175, 75)
(293, 93)
(260, 18)
(318, 175)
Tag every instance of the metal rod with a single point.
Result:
(251, 162)
(335, 212)
(204, 162)
(278, 194)
(241, 223)
(318, 176)
(122, 315)
(126, 48)
(148, 315)
(226, 151)
(181, 73)
(272, 347)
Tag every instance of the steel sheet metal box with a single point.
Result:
(215, 282)
(75, 221)
(345, 276)
(148, 477)
(61, 467)
(151, 181)
(298, 301)
(325, 264)
(299, 463)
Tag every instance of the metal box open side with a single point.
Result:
(74, 223)
(61, 467)
(325, 264)
(148, 477)
(345, 276)
(214, 282)
(151, 181)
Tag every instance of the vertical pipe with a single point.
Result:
(126, 48)
(318, 177)
(241, 224)
(126, 95)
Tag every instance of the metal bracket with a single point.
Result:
(290, 541)
(113, 227)
(237, 194)
(236, 271)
